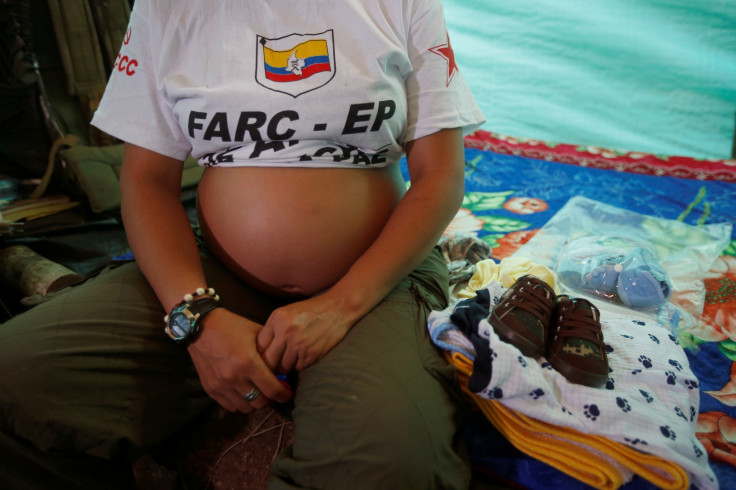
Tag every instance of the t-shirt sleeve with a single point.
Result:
(134, 107)
(437, 94)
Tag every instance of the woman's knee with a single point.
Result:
(375, 431)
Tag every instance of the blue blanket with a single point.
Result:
(509, 197)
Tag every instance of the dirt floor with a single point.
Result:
(224, 452)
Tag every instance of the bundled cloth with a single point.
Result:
(642, 421)
(594, 460)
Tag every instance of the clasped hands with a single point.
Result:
(233, 355)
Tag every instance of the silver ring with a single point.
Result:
(252, 395)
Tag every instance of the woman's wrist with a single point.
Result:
(355, 301)
(184, 322)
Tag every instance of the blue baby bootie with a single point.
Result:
(615, 269)
(604, 278)
(639, 288)
(636, 280)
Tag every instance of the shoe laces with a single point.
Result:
(579, 319)
(538, 303)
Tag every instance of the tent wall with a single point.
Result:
(644, 75)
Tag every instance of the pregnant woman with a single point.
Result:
(311, 257)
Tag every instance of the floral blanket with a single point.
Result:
(514, 186)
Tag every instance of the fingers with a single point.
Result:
(278, 354)
(254, 374)
(264, 339)
(285, 337)
(219, 390)
(297, 341)
(251, 400)
(252, 395)
(229, 366)
(270, 348)
(277, 341)
(248, 397)
(253, 389)
(269, 386)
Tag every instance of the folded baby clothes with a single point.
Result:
(594, 460)
(649, 403)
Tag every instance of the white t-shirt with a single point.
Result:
(313, 83)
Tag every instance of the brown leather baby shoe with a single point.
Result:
(576, 347)
(522, 315)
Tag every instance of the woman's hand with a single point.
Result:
(299, 334)
(230, 366)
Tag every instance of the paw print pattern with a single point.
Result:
(691, 384)
(671, 377)
(610, 384)
(673, 339)
(697, 451)
(546, 365)
(693, 413)
(654, 339)
(635, 371)
(623, 404)
(494, 393)
(667, 432)
(565, 410)
(609, 349)
(626, 336)
(681, 414)
(536, 394)
(522, 361)
(675, 364)
(635, 442)
(647, 396)
(592, 411)
(639, 323)
(645, 361)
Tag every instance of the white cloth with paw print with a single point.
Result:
(650, 401)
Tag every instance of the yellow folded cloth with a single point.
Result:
(592, 459)
(506, 273)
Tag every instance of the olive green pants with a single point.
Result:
(88, 381)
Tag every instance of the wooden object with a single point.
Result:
(32, 274)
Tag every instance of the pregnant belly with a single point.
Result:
(294, 231)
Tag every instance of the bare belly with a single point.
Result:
(295, 231)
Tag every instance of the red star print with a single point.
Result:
(445, 50)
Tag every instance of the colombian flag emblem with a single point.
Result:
(297, 63)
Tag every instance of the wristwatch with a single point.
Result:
(182, 324)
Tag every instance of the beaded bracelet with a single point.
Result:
(201, 291)
(188, 298)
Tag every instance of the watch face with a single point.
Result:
(179, 325)
(182, 324)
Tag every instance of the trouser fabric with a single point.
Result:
(89, 381)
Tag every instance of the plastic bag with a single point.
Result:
(617, 269)
(684, 253)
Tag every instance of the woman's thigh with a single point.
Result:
(91, 370)
(84, 370)
(381, 409)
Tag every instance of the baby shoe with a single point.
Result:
(522, 315)
(575, 348)
(603, 279)
(639, 287)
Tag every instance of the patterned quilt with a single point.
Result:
(514, 186)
